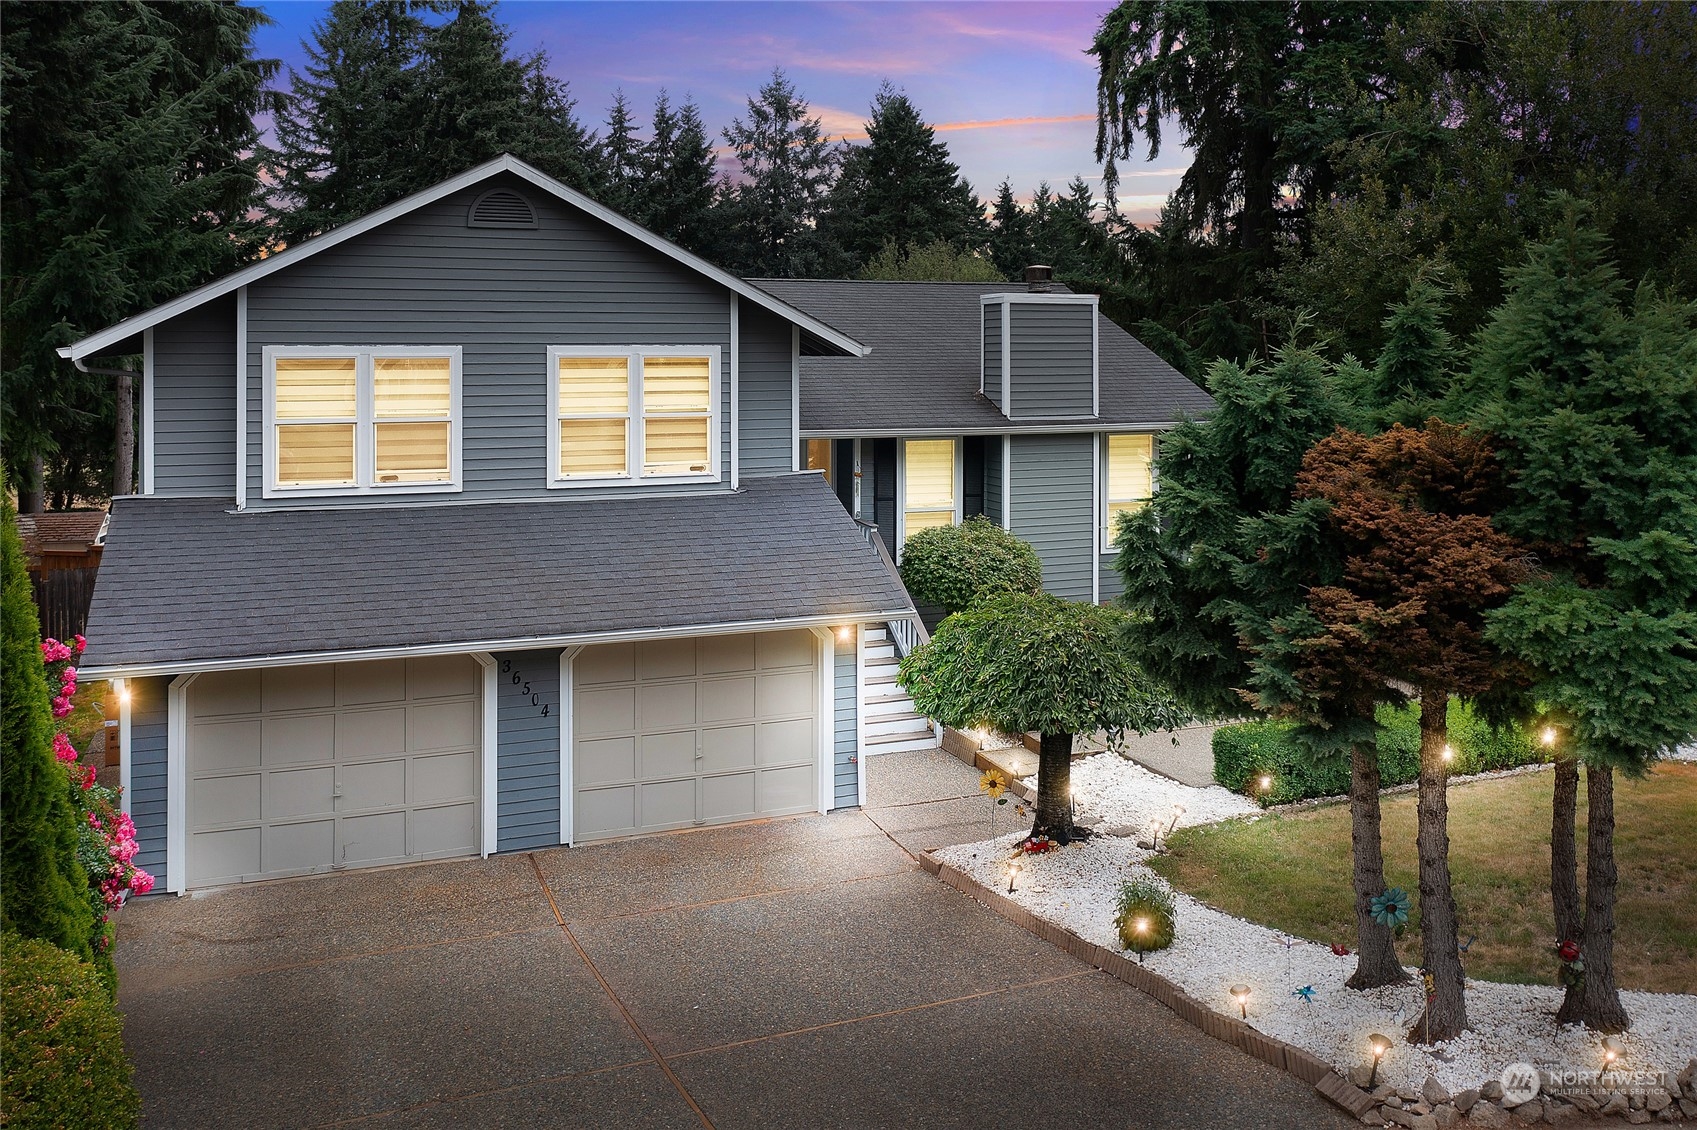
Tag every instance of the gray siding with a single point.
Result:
(527, 750)
(1053, 508)
(846, 760)
(993, 478)
(1053, 360)
(504, 296)
(147, 775)
(194, 402)
(1111, 584)
(766, 380)
(992, 314)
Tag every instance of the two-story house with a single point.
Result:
(486, 523)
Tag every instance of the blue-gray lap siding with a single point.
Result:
(1053, 507)
(766, 380)
(1052, 360)
(527, 749)
(147, 757)
(503, 296)
(992, 374)
(846, 759)
(194, 402)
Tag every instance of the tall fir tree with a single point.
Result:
(1011, 248)
(621, 158)
(787, 166)
(901, 188)
(46, 888)
(126, 177)
(678, 174)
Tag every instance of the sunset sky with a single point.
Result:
(1007, 85)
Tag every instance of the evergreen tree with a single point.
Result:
(677, 167)
(46, 891)
(1594, 407)
(787, 168)
(935, 262)
(126, 177)
(901, 187)
(1011, 248)
(621, 157)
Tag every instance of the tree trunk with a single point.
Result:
(1446, 1007)
(32, 495)
(1598, 1004)
(1054, 788)
(1376, 960)
(1564, 859)
(123, 458)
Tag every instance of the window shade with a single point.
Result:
(316, 388)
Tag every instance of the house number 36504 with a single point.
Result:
(518, 680)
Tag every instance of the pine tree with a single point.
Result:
(901, 187)
(1594, 407)
(787, 168)
(1011, 248)
(46, 891)
(621, 154)
(128, 177)
(678, 176)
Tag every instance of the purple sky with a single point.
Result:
(1007, 84)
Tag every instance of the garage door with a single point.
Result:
(300, 769)
(678, 733)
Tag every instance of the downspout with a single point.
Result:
(124, 461)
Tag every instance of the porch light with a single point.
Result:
(845, 633)
(124, 694)
(1240, 994)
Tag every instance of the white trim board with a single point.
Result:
(147, 411)
(299, 659)
(241, 398)
(121, 688)
(489, 778)
(1027, 426)
(93, 344)
(567, 701)
(825, 660)
(736, 395)
(177, 783)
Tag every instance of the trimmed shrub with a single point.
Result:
(953, 567)
(46, 889)
(61, 1042)
(1144, 915)
(1248, 751)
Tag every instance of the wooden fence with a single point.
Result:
(62, 596)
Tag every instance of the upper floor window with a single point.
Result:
(340, 420)
(648, 413)
(1128, 481)
(930, 484)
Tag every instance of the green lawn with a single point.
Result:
(1292, 872)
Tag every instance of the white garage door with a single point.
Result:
(300, 769)
(678, 733)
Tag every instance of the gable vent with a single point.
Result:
(501, 208)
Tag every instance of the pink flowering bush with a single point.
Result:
(106, 838)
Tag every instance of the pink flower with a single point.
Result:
(80, 642)
(141, 882)
(94, 821)
(63, 749)
(88, 775)
(52, 651)
(61, 706)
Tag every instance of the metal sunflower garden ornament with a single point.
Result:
(1390, 910)
(994, 784)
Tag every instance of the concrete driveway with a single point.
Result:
(795, 973)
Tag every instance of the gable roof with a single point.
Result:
(269, 587)
(95, 344)
(923, 372)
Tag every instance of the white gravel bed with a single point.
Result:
(1076, 888)
(1684, 753)
(1124, 794)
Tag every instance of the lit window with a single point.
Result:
(819, 456)
(624, 414)
(360, 420)
(1129, 482)
(929, 497)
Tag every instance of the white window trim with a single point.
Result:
(901, 487)
(1104, 535)
(365, 443)
(633, 419)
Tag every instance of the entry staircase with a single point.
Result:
(892, 725)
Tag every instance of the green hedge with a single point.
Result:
(1247, 751)
(61, 1042)
(951, 567)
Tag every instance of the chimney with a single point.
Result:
(1038, 278)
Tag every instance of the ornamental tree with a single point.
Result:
(1411, 510)
(954, 566)
(1593, 403)
(1033, 662)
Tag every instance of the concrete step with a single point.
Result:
(875, 746)
(906, 722)
(895, 697)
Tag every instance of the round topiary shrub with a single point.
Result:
(953, 567)
(1145, 915)
(61, 1042)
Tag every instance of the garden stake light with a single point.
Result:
(1379, 1045)
(1240, 994)
(1611, 1052)
(1142, 928)
(1266, 784)
(1548, 737)
(1178, 810)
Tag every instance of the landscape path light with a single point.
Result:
(1612, 1050)
(1379, 1046)
(1240, 994)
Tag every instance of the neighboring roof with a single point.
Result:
(95, 344)
(61, 531)
(186, 582)
(923, 373)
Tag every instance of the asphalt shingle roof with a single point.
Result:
(924, 368)
(185, 579)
